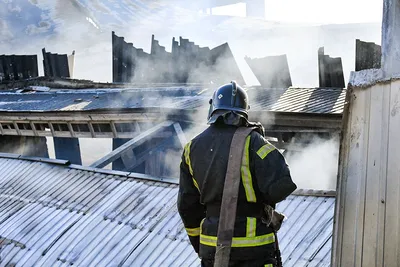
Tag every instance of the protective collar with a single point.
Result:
(233, 118)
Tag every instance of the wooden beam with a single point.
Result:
(140, 139)
(181, 134)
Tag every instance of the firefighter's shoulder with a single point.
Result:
(261, 146)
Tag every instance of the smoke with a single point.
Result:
(86, 28)
(316, 165)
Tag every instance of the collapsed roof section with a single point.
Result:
(187, 63)
(53, 213)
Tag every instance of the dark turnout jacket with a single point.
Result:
(265, 179)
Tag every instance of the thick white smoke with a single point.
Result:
(72, 28)
(316, 165)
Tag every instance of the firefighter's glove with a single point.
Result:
(272, 218)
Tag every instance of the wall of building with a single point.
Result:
(367, 229)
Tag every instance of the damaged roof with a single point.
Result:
(299, 100)
(53, 213)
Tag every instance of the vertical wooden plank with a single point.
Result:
(353, 198)
(342, 176)
(374, 181)
(385, 92)
(362, 194)
(392, 227)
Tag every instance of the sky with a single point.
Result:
(314, 11)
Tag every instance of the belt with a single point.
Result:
(243, 210)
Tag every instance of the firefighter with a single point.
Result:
(265, 179)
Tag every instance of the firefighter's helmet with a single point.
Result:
(229, 97)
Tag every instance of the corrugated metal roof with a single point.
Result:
(54, 214)
(305, 100)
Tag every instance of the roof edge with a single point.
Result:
(132, 175)
(141, 176)
(314, 193)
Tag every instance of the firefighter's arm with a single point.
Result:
(271, 170)
(189, 207)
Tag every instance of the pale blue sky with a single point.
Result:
(314, 11)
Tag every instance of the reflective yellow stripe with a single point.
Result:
(187, 159)
(240, 242)
(246, 174)
(195, 184)
(251, 227)
(193, 231)
(268, 265)
(265, 150)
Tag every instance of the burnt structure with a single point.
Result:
(187, 63)
(18, 67)
(150, 125)
(368, 55)
(57, 65)
(272, 71)
(330, 70)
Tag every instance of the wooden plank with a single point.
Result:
(129, 145)
(383, 173)
(181, 134)
(373, 212)
(392, 218)
(352, 190)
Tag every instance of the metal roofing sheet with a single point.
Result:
(305, 100)
(52, 214)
